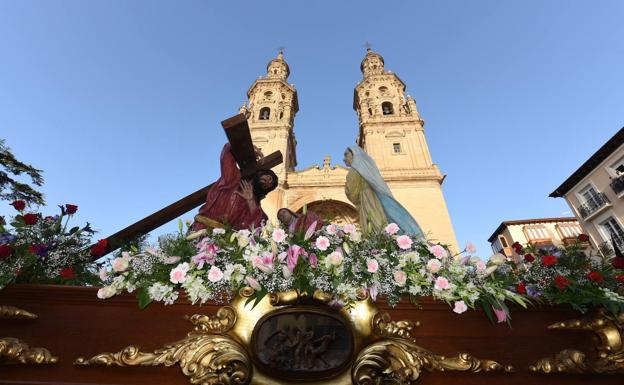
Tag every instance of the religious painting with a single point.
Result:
(302, 343)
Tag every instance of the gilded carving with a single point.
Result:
(401, 361)
(608, 357)
(14, 351)
(14, 312)
(206, 355)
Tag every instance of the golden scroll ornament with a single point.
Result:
(14, 351)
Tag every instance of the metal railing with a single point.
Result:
(592, 205)
(617, 184)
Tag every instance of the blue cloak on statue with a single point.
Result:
(395, 212)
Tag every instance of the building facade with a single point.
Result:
(595, 193)
(541, 232)
(391, 131)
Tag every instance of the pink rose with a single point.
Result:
(392, 229)
(279, 235)
(331, 229)
(215, 274)
(404, 242)
(400, 277)
(434, 265)
(120, 264)
(471, 248)
(322, 243)
(253, 283)
(480, 265)
(441, 283)
(438, 251)
(178, 274)
(349, 228)
(372, 265)
(460, 307)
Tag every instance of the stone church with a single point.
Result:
(390, 131)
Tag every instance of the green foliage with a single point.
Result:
(12, 189)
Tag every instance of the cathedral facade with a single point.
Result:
(391, 131)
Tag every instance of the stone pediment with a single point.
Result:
(318, 175)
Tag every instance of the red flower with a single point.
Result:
(99, 248)
(19, 205)
(549, 260)
(583, 238)
(618, 262)
(71, 209)
(517, 247)
(620, 278)
(562, 282)
(529, 257)
(5, 251)
(68, 273)
(30, 219)
(595, 276)
(521, 288)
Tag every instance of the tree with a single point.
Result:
(11, 189)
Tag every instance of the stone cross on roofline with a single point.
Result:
(237, 131)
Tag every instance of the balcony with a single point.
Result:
(617, 184)
(593, 205)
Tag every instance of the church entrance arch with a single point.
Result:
(333, 211)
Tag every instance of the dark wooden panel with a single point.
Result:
(73, 322)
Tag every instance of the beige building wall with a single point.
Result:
(597, 204)
(390, 131)
(542, 232)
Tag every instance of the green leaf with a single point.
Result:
(74, 229)
(144, 298)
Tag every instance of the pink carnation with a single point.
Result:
(441, 283)
(438, 251)
(349, 228)
(392, 229)
(460, 307)
(404, 242)
(279, 235)
(215, 274)
(400, 277)
(322, 243)
(178, 274)
(372, 265)
(434, 265)
(471, 248)
(331, 229)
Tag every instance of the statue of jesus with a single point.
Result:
(233, 200)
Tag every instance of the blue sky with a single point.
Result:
(119, 102)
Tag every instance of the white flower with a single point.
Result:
(218, 230)
(356, 237)
(400, 277)
(335, 258)
(103, 273)
(498, 259)
(215, 274)
(106, 292)
(286, 272)
(349, 228)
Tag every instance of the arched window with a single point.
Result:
(370, 111)
(387, 108)
(265, 113)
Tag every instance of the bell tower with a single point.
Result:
(392, 132)
(271, 108)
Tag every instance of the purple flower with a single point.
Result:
(41, 250)
(6, 238)
(533, 292)
(294, 252)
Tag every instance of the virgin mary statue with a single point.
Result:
(371, 196)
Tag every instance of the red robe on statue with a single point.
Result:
(222, 205)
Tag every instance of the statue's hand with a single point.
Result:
(246, 190)
(259, 154)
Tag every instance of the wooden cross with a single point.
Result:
(237, 132)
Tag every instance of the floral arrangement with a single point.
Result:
(43, 249)
(212, 265)
(568, 275)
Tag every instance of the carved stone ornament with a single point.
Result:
(14, 351)
(608, 357)
(294, 337)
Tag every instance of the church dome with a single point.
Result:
(372, 64)
(278, 68)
